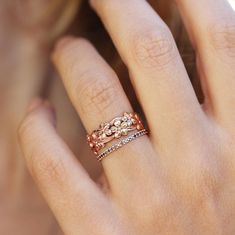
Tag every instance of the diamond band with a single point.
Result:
(121, 143)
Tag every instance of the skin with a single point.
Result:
(180, 178)
(24, 69)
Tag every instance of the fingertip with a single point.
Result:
(65, 54)
(37, 103)
(40, 115)
(39, 108)
(61, 44)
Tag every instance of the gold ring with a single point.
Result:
(114, 129)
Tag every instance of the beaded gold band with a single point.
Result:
(115, 129)
(121, 143)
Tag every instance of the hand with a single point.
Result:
(25, 34)
(179, 179)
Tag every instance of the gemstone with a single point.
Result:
(117, 134)
(124, 131)
(133, 121)
(94, 136)
(124, 124)
(124, 118)
(117, 123)
(108, 132)
(113, 128)
(129, 123)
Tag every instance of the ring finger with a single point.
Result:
(98, 97)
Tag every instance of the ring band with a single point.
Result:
(115, 129)
(121, 143)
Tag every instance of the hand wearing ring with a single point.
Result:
(177, 180)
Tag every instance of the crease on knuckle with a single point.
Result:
(154, 49)
(45, 167)
(222, 37)
(96, 91)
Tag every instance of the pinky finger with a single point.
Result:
(71, 194)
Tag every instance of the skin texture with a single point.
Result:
(180, 179)
(25, 72)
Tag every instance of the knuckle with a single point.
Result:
(155, 48)
(222, 37)
(96, 91)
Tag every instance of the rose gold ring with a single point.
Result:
(115, 129)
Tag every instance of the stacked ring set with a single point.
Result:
(121, 130)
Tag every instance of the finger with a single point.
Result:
(98, 97)
(71, 194)
(156, 69)
(211, 25)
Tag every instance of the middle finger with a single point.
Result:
(155, 66)
(98, 97)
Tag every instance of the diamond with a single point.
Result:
(117, 123)
(108, 132)
(113, 128)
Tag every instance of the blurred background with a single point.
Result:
(232, 2)
(28, 31)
